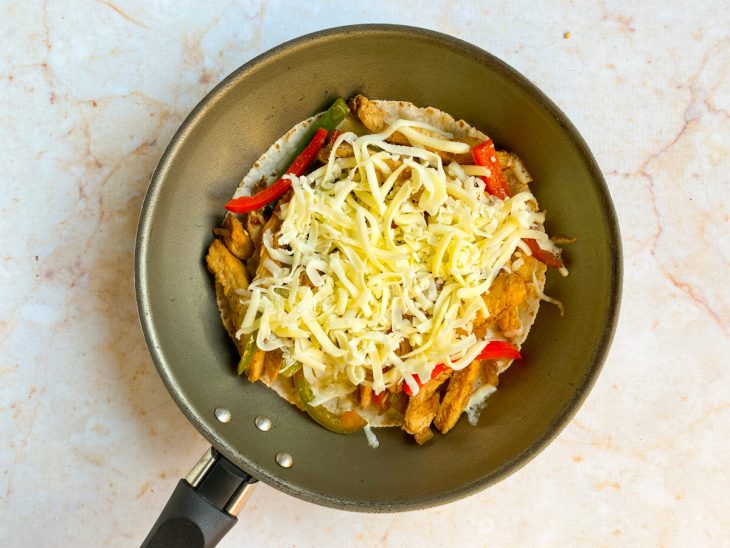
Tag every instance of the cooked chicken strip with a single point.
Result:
(227, 269)
(529, 266)
(272, 365)
(373, 118)
(236, 238)
(365, 395)
(272, 225)
(256, 365)
(490, 372)
(230, 274)
(343, 151)
(404, 347)
(422, 407)
(508, 290)
(254, 223)
(423, 437)
(509, 320)
(456, 397)
(232, 313)
(428, 412)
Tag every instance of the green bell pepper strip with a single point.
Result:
(346, 423)
(248, 351)
(290, 370)
(330, 119)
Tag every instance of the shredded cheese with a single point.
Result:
(385, 248)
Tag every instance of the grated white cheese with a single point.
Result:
(371, 437)
(392, 247)
(478, 402)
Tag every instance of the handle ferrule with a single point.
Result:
(204, 506)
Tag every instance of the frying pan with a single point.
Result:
(199, 171)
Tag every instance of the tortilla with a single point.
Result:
(269, 167)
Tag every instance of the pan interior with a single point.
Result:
(205, 162)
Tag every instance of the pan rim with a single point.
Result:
(166, 372)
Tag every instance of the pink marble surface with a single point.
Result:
(91, 443)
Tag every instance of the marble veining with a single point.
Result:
(92, 444)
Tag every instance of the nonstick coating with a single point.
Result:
(204, 163)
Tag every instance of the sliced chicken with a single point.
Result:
(508, 291)
(343, 151)
(254, 224)
(256, 365)
(232, 313)
(365, 395)
(490, 372)
(422, 408)
(272, 225)
(457, 397)
(404, 347)
(373, 118)
(272, 365)
(229, 274)
(235, 237)
(226, 267)
(509, 320)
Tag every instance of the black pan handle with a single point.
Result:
(204, 506)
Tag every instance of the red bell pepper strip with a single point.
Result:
(543, 256)
(495, 350)
(334, 134)
(245, 204)
(485, 155)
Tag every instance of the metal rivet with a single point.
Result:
(263, 423)
(285, 460)
(222, 414)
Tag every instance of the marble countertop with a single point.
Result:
(92, 444)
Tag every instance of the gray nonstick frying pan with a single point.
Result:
(198, 173)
